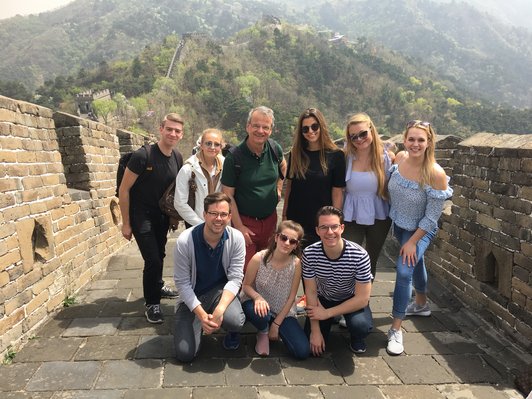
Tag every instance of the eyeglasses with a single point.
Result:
(418, 123)
(256, 126)
(285, 238)
(314, 127)
(222, 215)
(325, 228)
(213, 144)
(360, 136)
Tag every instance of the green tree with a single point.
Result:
(104, 108)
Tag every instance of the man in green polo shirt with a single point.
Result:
(255, 185)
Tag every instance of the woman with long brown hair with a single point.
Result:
(315, 176)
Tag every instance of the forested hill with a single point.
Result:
(288, 68)
(86, 32)
(463, 45)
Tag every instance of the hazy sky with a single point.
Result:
(10, 8)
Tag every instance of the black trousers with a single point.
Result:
(150, 229)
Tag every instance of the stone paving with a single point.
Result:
(102, 347)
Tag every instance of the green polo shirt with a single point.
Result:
(256, 185)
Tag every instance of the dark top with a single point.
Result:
(308, 195)
(256, 185)
(151, 184)
(210, 270)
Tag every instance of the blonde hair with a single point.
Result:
(299, 161)
(429, 158)
(208, 131)
(376, 152)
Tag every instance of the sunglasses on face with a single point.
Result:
(360, 136)
(285, 238)
(214, 144)
(418, 123)
(314, 127)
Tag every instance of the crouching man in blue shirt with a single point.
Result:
(208, 273)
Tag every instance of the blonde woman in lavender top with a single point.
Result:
(418, 189)
(366, 205)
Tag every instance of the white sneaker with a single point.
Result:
(395, 342)
(413, 309)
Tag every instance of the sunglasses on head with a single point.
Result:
(360, 136)
(314, 127)
(418, 123)
(285, 238)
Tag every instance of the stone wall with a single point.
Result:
(58, 214)
(483, 252)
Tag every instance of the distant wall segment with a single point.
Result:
(59, 219)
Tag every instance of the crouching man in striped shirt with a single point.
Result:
(337, 278)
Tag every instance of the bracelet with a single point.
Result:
(277, 324)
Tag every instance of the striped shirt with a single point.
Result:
(336, 278)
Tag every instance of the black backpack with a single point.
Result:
(122, 164)
(124, 159)
(237, 160)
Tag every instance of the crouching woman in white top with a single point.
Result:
(206, 165)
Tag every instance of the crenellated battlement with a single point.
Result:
(59, 219)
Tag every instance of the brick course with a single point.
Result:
(57, 231)
(488, 233)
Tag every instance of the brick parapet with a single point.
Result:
(483, 249)
(54, 238)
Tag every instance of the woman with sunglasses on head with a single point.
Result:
(269, 290)
(315, 174)
(366, 204)
(205, 167)
(418, 188)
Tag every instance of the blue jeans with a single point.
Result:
(359, 323)
(290, 331)
(188, 331)
(406, 275)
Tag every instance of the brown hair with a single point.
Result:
(299, 161)
(285, 224)
(329, 210)
(214, 198)
(172, 117)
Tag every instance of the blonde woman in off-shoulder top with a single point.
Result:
(418, 189)
(269, 290)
